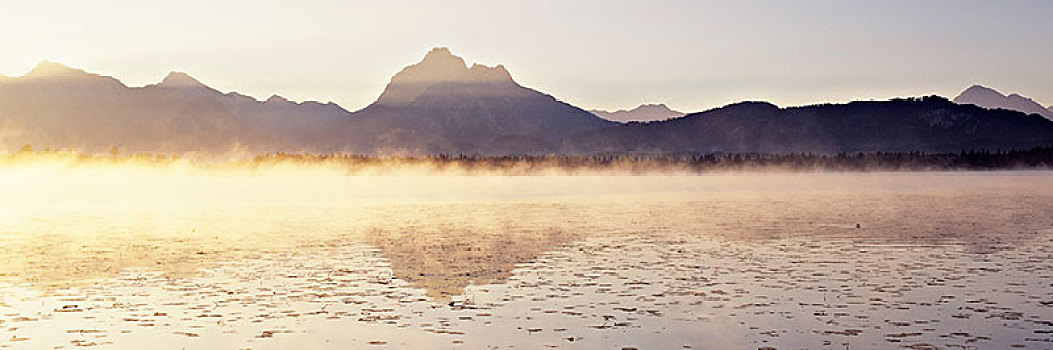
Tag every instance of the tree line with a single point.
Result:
(971, 159)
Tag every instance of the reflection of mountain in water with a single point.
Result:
(462, 245)
(444, 247)
(444, 262)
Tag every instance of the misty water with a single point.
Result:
(134, 260)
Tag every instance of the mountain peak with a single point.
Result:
(1018, 97)
(981, 88)
(48, 68)
(180, 80)
(276, 99)
(645, 112)
(977, 93)
(989, 98)
(655, 107)
(439, 52)
(481, 73)
(438, 65)
(754, 105)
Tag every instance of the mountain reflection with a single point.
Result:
(444, 246)
(458, 245)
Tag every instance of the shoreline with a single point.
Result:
(1035, 159)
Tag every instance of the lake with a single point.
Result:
(174, 259)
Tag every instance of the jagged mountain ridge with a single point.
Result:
(60, 107)
(440, 105)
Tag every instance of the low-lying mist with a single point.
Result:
(73, 180)
(247, 163)
(66, 218)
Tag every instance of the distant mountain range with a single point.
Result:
(442, 105)
(60, 107)
(929, 124)
(642, 113)
(989, 98)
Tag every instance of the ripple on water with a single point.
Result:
(776, 270)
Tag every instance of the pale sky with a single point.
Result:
(692, 55)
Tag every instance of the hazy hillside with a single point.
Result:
(989, 98)
(441, 105)
(642, 113)
(60, 107)
(436, 106)
(931, 124)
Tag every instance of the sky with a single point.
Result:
(607, 54)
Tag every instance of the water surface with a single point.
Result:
(786, 261)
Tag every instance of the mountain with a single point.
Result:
(642, 113)
(60, 107)
(929, 124)
(440, 105)
(989, 98)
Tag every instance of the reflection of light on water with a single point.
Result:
(323, 260)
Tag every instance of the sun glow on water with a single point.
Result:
(286, 240)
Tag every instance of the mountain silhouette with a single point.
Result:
(929, 124)
(65, 108)
(642, 113)
(440, 105)
(990, 98)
